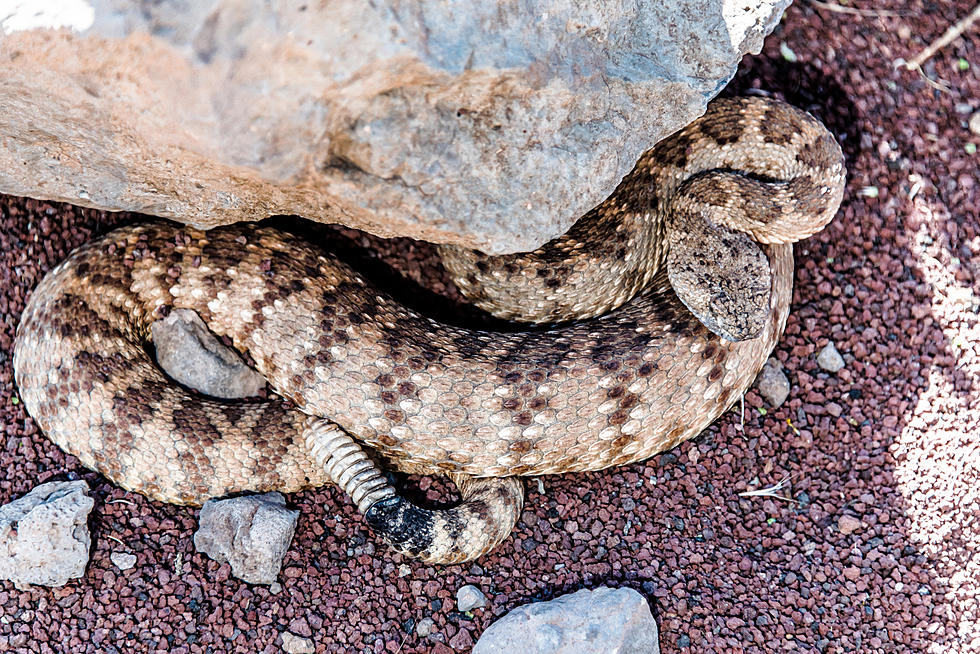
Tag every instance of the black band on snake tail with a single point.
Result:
(485, 516)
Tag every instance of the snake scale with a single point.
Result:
(662, 305)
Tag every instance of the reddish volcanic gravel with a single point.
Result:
(875, 549)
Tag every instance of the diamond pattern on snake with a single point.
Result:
(646, 321)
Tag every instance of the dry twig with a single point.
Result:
(872, 13)
(771, 491)
(951, 35)
(741, 415)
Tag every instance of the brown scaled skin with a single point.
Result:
(425, 396)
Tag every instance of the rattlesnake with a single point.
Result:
(483, 407)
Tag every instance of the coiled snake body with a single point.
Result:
(482, 407)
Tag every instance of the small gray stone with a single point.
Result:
(975, 123)
(251, 533)
(425, 627)
(600, 621)
(296, 644)
(44, 536)
(772, 383)
(830, 359)
(188, 351)
(122, 560)
(470, 597)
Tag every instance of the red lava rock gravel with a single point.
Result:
(876, 549)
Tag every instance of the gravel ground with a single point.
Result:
(874, 551)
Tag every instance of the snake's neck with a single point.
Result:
(604, 260)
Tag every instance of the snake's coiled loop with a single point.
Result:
(692, 247)
(486, 514)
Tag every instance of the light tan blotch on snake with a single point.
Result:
(357, 368)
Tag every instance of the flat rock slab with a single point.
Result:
(487, 125)
(44, 537)
(600, 621)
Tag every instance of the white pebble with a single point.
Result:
(425, 627)
(469, 597)
(294, 644)
(830, 359)
(122, 560)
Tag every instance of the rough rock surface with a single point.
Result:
(600, 621)
(293, 644)
(251, 533)
(123, 560)
(830, 359)
(490, 125)
(425, 627)
(470, 597)
(44, 537)
(188, 351)
(772, 383)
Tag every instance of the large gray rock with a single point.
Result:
(251, 533)
(188, 351)
(600, 621)
(484, 124)
(44, 537)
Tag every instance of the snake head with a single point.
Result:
(721, 275)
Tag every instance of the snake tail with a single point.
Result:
(485, 516)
